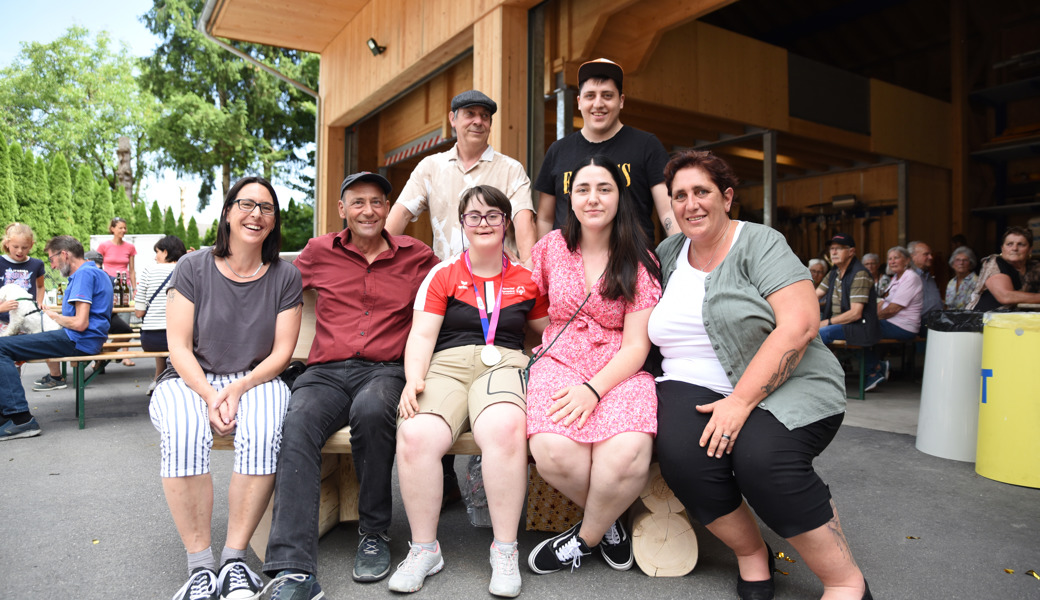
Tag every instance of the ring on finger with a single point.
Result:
(726, 437)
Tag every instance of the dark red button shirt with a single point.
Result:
(363, 311)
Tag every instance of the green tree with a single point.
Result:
(77, 96)
(220, 112)
(103, 209)
(180, 231)
(155, 217)
(211, 234)
(191, 237)
(23, 168)
(141, 224)
(169, 222)
(60, 188)
(297, 226)
(8, 204)
(83, 203)
(41, 220)
(121, 206)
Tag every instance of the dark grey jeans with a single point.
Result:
(325, 398)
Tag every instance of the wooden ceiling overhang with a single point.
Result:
(300, 24)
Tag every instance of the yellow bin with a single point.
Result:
(1008, 447)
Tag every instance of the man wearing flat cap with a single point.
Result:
(366, 281)
(437, 183)
(639, 155)
(850, 308)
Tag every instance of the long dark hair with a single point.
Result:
(628, 243)
(273, 241)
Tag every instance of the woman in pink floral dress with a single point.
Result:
(591, 409)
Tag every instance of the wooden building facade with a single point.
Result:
(820, 148)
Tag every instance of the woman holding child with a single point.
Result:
(750, 395)
(592, 410)
(463, 363)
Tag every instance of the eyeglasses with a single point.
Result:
(247, 206)
(50, 257)
(358, 204)
(493, 219)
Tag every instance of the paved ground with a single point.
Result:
(82, 516)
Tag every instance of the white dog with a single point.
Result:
(27, 318)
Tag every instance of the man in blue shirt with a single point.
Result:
(84, 317)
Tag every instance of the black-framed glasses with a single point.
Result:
(50, 257)
(247, 206)
(493, 219)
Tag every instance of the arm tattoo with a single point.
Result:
(668, 226)
(171, 294)
(787, 364)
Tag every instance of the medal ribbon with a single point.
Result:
(489, 326)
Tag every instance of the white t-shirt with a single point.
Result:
(677, 326)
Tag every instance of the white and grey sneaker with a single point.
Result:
(414, 569)
(237, 582)
(505, 574)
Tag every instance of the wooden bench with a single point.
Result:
(909, 355)
(339, 484)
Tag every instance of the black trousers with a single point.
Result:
(770, 466)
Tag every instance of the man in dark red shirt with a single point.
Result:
(366, 280)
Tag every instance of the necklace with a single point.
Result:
(713, 251)
(228, 265)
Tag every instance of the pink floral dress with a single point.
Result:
(585, 347)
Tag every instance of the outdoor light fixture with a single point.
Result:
(374, 46)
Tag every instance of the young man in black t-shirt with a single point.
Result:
(640, 155)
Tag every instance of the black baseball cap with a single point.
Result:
(370, 177)
(601, 68)
(473, 98)
(843, 239)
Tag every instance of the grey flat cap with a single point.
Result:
(473, 98)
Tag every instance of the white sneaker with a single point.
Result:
(505, 574)
(414, 569)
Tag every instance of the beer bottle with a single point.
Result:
(61, 295)
(116, 296)
(124, 290)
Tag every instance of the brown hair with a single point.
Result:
(718, 170)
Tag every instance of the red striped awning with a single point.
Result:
(417, 146)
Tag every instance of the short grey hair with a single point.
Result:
(817, 261)
(901, 250)
(911, 246)
(966, 251)
(871, 255)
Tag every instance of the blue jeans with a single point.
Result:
(49, 344)
(359, 393)
(888, 331)
(829, 333)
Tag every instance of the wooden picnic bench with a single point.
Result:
(909, 355)
(118, 347)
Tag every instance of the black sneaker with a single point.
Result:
(555, 553)
(372, 561)
(237, 582)
(294, 586)
(616, 547)
(202, 585)
(42, 379)
(52, 383)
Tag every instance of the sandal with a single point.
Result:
(129, 363)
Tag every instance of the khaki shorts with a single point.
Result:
(459, 386)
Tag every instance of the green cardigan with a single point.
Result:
(738, 319)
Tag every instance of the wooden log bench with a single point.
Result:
(339, 484)
(909, 348)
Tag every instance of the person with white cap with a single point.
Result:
(438, 181)
(366, 280)
(640, 155)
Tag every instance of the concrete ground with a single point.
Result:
(82, 515)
